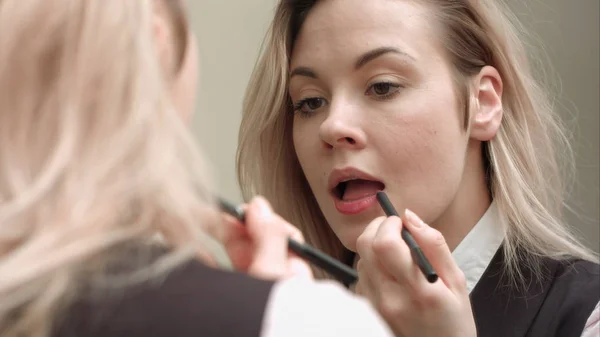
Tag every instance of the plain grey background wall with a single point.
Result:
(569, 34)
(230, 34)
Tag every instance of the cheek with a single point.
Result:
(424, 128)
(425, 146)
(307, 146)
(424, 154)
(301, 138)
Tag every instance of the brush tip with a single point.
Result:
(432, 277)
(386, 204)
(231, 209)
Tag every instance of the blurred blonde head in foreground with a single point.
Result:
(94, 147)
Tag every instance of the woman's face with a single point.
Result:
(375, 106)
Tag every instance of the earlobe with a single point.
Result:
(486, 115)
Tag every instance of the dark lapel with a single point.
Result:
(502, 311)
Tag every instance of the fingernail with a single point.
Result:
(413, 219)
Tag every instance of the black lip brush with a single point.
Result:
(416, 252)
(334, 267)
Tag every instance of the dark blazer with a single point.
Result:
(193, 300)
(558, 305)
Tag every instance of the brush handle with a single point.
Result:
(417, 254)
(332, 266)
(232, 210)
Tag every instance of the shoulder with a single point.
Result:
(319, 308)
(576, 266)
(575, 275)
(190, 299)
(576, 285)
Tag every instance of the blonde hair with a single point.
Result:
(92, 154)
(523, 160)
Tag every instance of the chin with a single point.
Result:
(348, 228)
(348, 237)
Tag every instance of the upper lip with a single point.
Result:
(346, 174)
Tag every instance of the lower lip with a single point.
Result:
(355, 206)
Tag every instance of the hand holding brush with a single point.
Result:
(257, 242)
(334, 267)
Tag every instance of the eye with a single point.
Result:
(383, 90)
(314, 103)
(308, 106)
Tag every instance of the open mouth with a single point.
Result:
(356, 189)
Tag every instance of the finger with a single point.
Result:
(365, 286)
(292, 231)
(393, 254)
(364, 243)
(269, 235)
(213, 222)
(238, 245)
(298, 268)
(370, 271)
(231, 227)
(364, 248)
(435, 248)
(411, 285)
(357, 288)
(383, 292)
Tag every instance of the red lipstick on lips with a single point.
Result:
(353, 191)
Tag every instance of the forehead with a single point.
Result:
(352, 27)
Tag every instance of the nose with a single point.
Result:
(342, 128)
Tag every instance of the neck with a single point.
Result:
(470, 203)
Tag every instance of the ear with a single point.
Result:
(486, 107)
(161, 30)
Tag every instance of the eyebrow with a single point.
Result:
(378, 52)
(303, 71)
(364, 59)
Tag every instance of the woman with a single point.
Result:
(97, 160)
(432, 102)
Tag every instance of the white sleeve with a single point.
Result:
(300, 308)
(592, 326)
